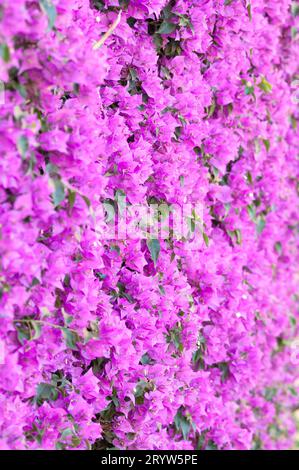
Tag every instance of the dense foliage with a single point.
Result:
(129, 343)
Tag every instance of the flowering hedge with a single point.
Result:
(127, 343)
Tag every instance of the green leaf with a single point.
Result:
(260, 225)
(154, 247)
(235, 236)
(293, 391)
(22, 145)
(265, 86)
(211, 445)
(238, 236)
(71, 338)
(293, 321)
(182, 424)
(278, 247)
(249, 177)
(37, 327)
(257, 443)
(131, 21)
(249, 90)
(71, 199)
(249, 11)
(173, 48)
(251, 211)
(295, 9)
(185, 22)
(23, 332)
(120, 198)
(51, 169)
(211, 109)
(50, 10)
(174, 337)
(66, 432)
(201, 439)
(224, 368)
(161, 289)
(123, 4)
(266, 143)
(206, 239)
(147, 360)
(87, 201)
(109, 208)
(29, 330)
(98, 365)
(59, 194)
(198, 359)
(46, 392)
(167, 28)
(4, 52)
(270, 393)
(141, 389)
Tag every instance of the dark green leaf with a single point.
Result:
(142, 388)
(295, 9)
(71, 199)
(22, 145)
(182, 424)
(46, 392)
(97, 4)
(124, 3)
(71, 338)
(211, 109)
(211, 445)
(293, 321)
(98, 365)
(29, 330)
(201, 440)
(249, 90)
(249, 177)
(154, 247)
(167, 28)
(172, 48)
(206, 238)
(131, 21)
(266, 143)
(147, 360)
(249, 11)
(4, 52)
(161, 289)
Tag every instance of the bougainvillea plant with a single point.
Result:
(135, 343)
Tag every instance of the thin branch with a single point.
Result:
(108, 33)
(53, 325)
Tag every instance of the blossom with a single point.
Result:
(107, 340)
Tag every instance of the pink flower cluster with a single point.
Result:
(139, 344)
